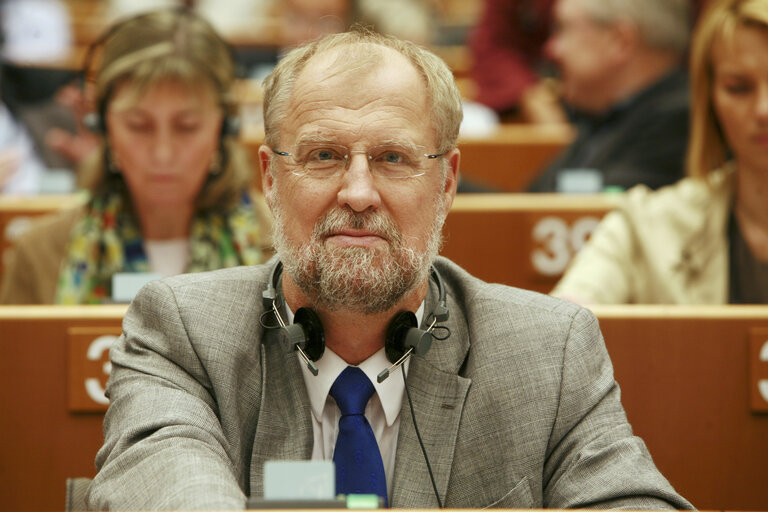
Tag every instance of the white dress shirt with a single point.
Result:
(382, 411)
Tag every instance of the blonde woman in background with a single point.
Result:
(170, 184)
(705, 239)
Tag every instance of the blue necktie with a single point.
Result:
(359, 469)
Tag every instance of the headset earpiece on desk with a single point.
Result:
(403, 336)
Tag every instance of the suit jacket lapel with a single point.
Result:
(438, 401)
(284, 430)
(438, 394)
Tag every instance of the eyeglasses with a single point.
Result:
(330, 160)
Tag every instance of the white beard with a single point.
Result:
(360, 279)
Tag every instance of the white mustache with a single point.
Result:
(376, 223)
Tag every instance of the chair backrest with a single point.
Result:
(76, 489)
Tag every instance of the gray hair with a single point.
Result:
(663, 24)
(438, 79)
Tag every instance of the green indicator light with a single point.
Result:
(362, 501)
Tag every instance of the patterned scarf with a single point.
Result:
(107, 240)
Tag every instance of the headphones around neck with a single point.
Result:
(403, 336)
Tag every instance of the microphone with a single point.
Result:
(381, 377)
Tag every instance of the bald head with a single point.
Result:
(356, 53)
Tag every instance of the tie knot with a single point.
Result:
(352, 389)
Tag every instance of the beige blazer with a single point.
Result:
(664, 247)
(31, 272)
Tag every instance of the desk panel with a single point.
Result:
(44, 440)
(511, 158)
(684, 373)
(685, 378)
(523, 240)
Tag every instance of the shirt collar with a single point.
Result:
(330, 366)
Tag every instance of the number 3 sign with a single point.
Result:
(89, 366)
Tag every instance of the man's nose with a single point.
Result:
(551, 48)
(358, 188)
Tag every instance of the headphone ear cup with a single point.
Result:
(397, 331)
(230, 126)
(314, 336)
(419, 339)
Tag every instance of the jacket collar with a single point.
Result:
(284, 425)
(697, 248)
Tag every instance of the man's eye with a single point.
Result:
(393, 157)
(322, 155)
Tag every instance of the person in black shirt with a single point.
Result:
(621, 78)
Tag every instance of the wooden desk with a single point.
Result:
(686, 385)
(509, 159)
(90, 19)
(523, 240)
(44, 439)
(684, 373)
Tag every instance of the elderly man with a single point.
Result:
(621, 75)
(515, 401)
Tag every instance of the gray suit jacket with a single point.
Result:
(517, 408)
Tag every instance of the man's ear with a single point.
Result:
(453, 157)
(265, 167)
(625, 39)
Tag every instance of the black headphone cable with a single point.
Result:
(421, 443)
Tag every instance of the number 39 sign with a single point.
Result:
(555, 241)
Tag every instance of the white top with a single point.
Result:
(36, 31)
(167, 257)
(17, 151)
(382, 411)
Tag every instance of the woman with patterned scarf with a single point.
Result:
(169, 186)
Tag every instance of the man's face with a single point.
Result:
(358, 241)
(581, 49)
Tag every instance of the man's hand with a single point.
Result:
(540, 103)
